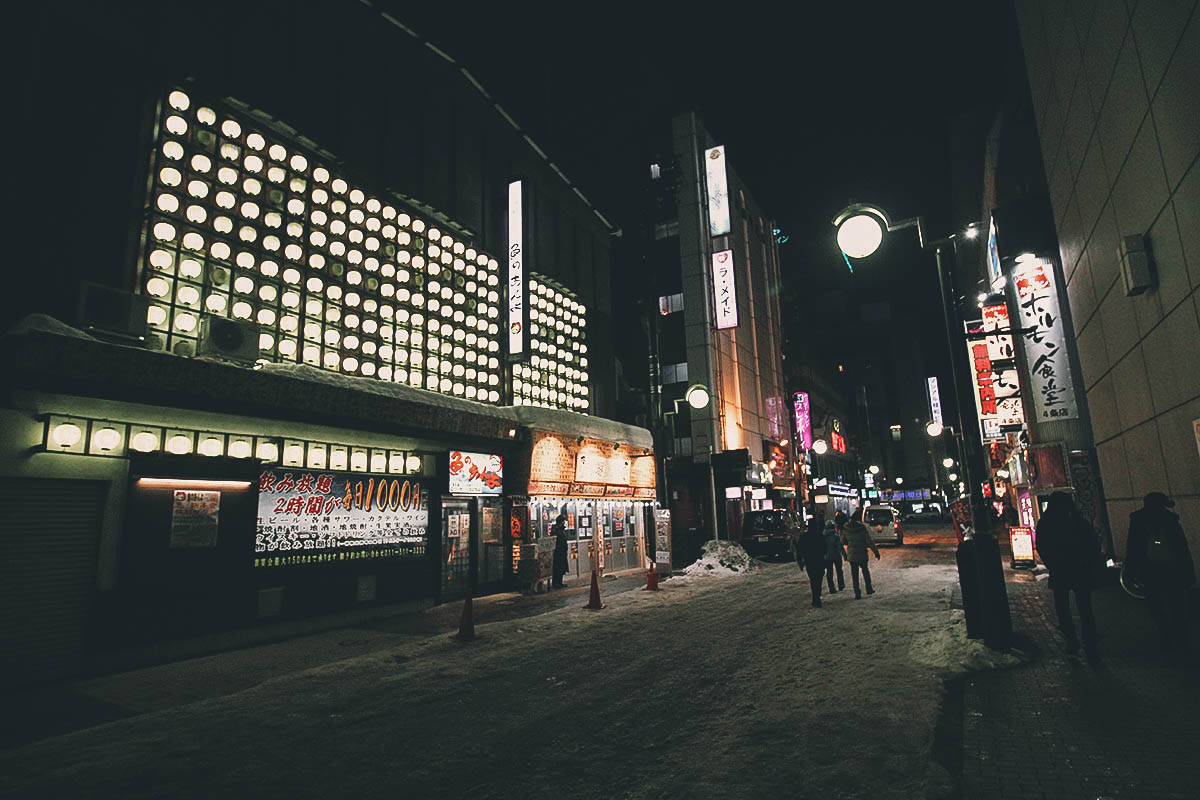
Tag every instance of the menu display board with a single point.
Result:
(308, 517)
(194, 518)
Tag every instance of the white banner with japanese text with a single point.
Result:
(1044, 342)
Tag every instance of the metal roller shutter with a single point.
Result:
(48, 547)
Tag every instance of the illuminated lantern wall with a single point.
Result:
(556, 374)
(244, 224)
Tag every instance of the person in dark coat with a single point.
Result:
(1158, 558)
(835, 553)
(810, 555)
(857, 539)
(1067, 545)
(559, 531)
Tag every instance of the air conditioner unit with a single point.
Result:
(228, 339)
(106, 312)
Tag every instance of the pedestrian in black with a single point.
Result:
(835, 553)
(1158, 558)
(559, 531)
(1068, 547)
(858, 540)
(810, 555)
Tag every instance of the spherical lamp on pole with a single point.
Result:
(820, 446)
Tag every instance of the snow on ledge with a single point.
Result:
(44, 323)
(558, 421)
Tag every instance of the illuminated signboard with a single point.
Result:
(1009, 410)
(475, 473)
(312, 517)
(593, 467)
(983, 379)
(935, 401)
(1021, 539)
(516, 274)
(724, 292)
(1045, 342)
(993, 253)
(718, 191)
(803, 420)
(837, 441)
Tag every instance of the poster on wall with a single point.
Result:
(1044, 342)
(475, 473)
(194, 518)
(593, 467)
(310, 517)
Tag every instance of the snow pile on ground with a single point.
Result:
(722, 558)
(949, 648)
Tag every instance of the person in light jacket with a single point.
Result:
(858, 540)
(835, 553)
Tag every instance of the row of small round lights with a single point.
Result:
(556, 374)
(107, 437)
(247, 228)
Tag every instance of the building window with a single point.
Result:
(895, 433)
(655, 172)
(683, 446)
(665, 230)
(675, 373)
(669, 304)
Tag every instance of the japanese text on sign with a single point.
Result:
(1045, 342)
(475, 473)
(1009, 410)
(803, 420)
(306, 517)
(516, 273)
(724, 291)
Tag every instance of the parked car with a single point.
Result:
(884, 524)
(769, 532)
(926, 517)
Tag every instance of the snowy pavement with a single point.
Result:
(727, 686)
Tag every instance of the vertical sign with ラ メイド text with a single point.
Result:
(724, 290)
(516, 273)
(1045, 342)
(717, 183)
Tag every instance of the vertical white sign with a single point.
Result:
(718, 191)
(1045, 342)
(935, 401)
(516, 273)
(724, 292)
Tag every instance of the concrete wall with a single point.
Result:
(1116, 90)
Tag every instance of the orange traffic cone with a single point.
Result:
(594, 603)
(651, 581)
(466, 627)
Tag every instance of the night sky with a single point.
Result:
(818, 106)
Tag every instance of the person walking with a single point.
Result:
(858, 540)
(559, 531)
(835, 553)
(810, 556)
(1067, 545)
(1158, 558)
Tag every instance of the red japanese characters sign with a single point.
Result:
(310, 517)
(475, 473)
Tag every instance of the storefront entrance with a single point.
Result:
(472, 546)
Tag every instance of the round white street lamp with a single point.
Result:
(899, 481)
(953, 476)
(947, 462)
(874, 470)
(860, 235)
(697, 396)
(820, 446)
(934, 429)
